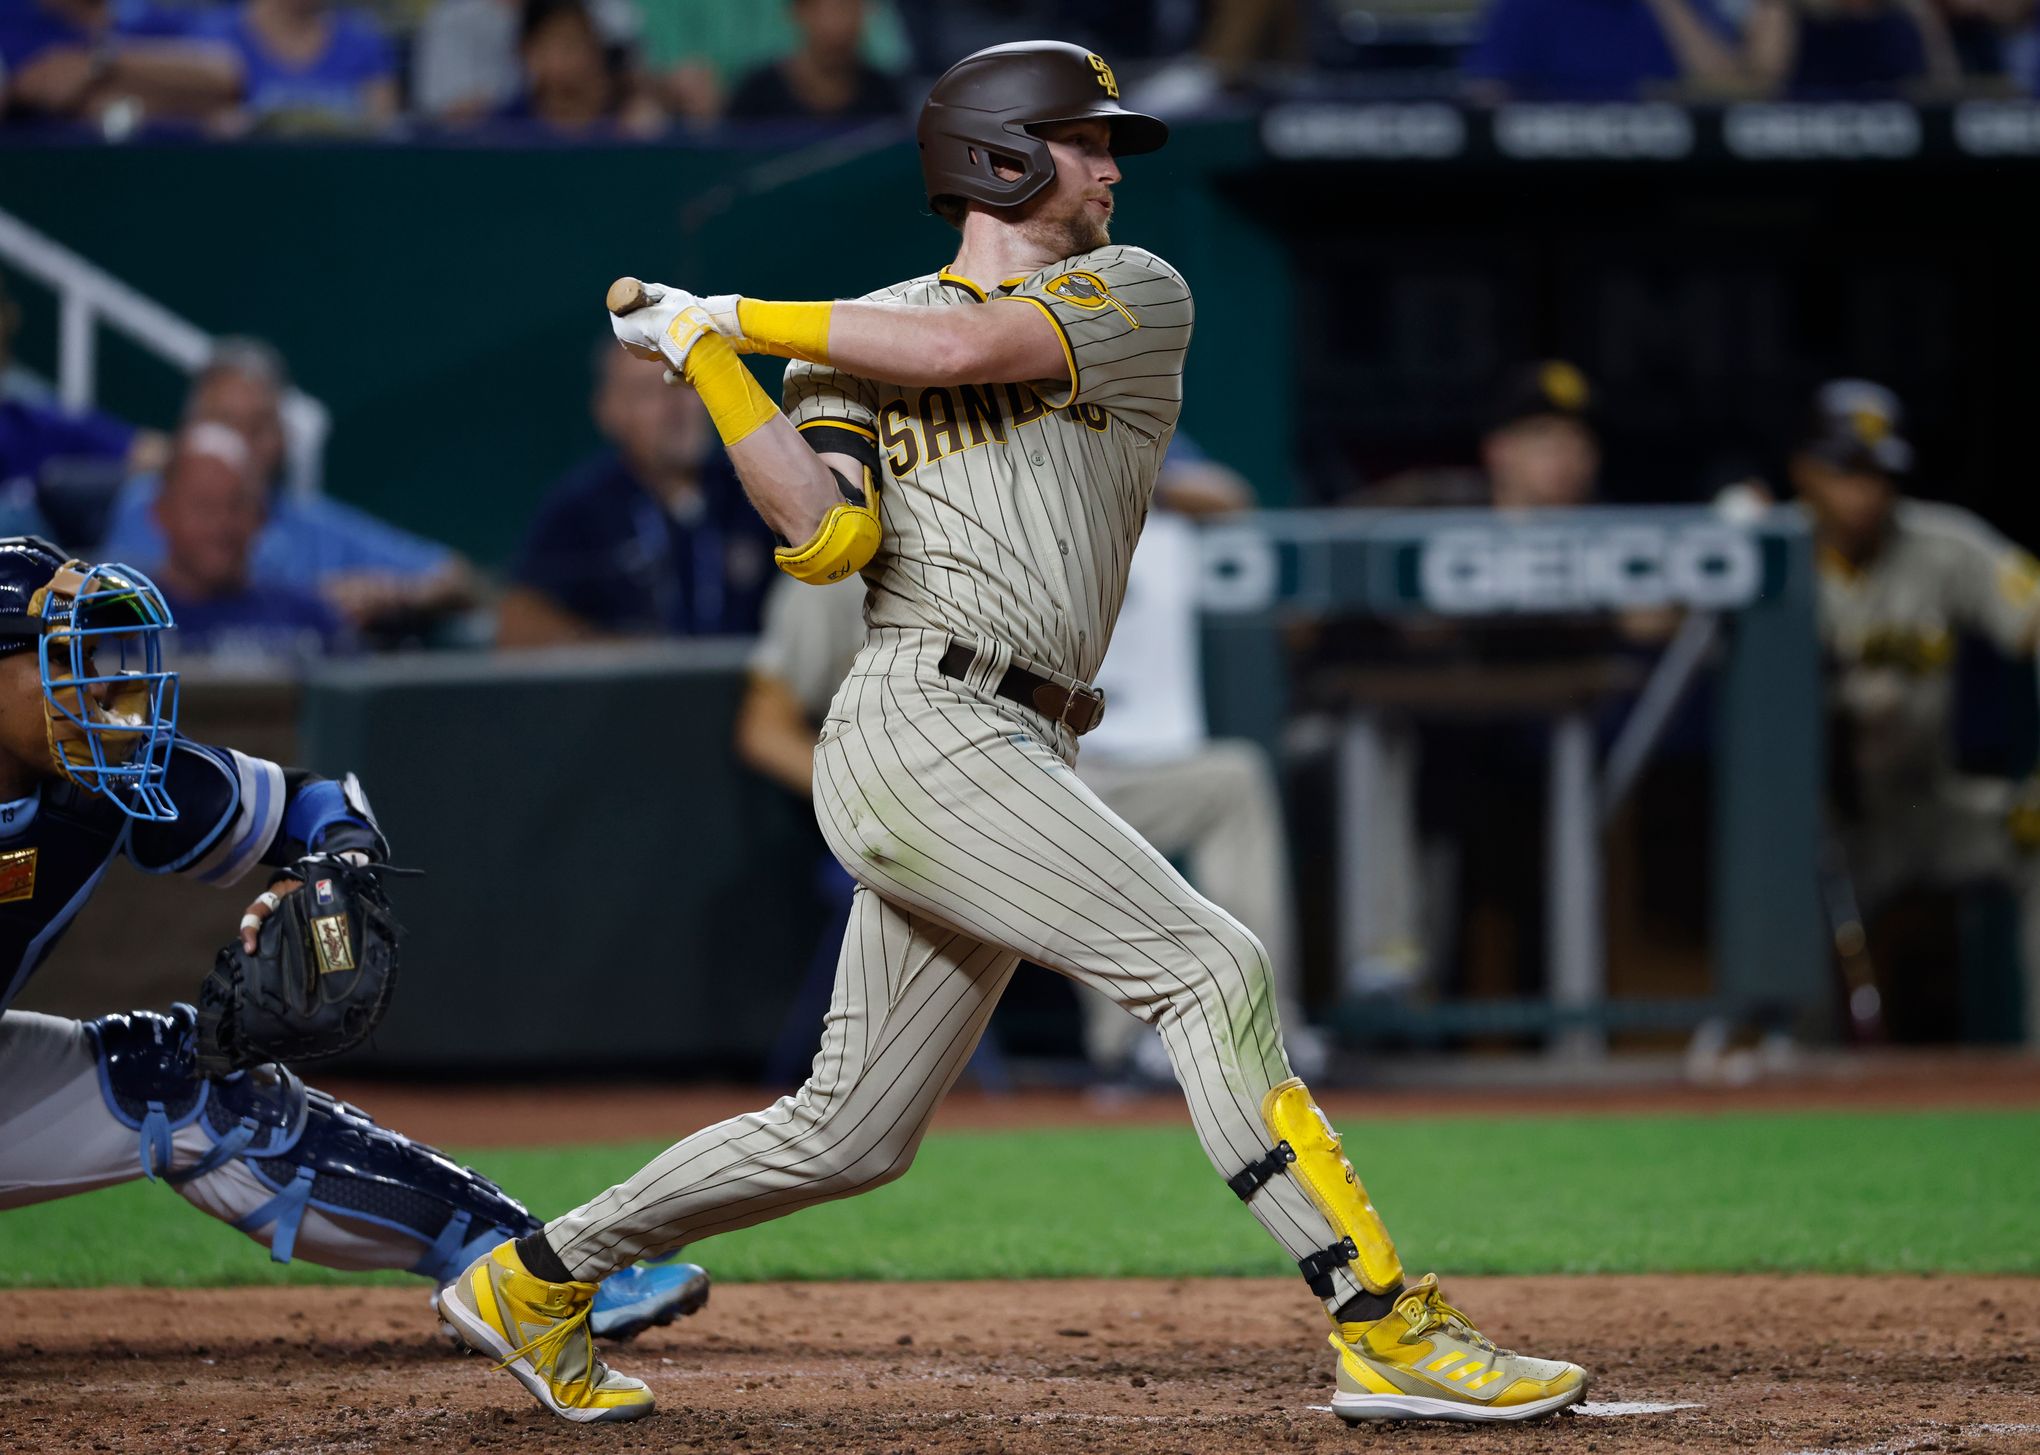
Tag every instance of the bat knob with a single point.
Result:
(627, 295)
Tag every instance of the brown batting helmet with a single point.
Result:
(986, 102)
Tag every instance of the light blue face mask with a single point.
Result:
(110, 705)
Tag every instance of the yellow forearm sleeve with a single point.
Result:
(790, 330)
(735, 402)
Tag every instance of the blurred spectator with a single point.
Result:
(92, 59)
(826, 79)
(652, 537)
(210, 509)
(575, 83)
(41, 441)
(464, 61)
(1211, 803)
(1823, 50)
(1898, 579)
(1600, 50)
(309, 63)
(376, 576)
(699, 49)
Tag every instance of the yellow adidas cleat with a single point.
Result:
(539, 1332)
(1424, 1360)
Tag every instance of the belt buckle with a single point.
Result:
(1096, 701)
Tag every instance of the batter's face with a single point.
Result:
(1073, 213)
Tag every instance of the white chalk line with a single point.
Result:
(1605, 1408)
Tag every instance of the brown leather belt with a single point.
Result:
(1077, 708)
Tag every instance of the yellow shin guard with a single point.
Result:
(1308, 1149)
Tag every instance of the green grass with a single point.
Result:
(1829, 1192)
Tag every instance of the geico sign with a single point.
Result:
(1474, 571)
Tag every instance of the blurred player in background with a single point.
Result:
(1899, 578)
(1540, 450)
(92, 769)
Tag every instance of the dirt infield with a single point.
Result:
(1854, 1365)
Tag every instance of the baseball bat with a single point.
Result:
(627, 295)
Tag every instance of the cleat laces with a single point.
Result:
(1435, 1313)
(545, 1350)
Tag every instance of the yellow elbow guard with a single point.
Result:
(844, 542)
(1308, 1149)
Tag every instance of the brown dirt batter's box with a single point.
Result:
(1843, 1366)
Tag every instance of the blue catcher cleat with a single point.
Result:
(646, 1296)
(643, 1296)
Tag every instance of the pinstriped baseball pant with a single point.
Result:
(974, 845)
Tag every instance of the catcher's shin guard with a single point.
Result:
(348, 1193)
(298, 1171)
(1308, 1150)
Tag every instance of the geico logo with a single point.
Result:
(1469, 571)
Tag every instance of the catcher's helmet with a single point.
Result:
(109, 704)
(987, 101)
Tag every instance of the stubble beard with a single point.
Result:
(1071, 233)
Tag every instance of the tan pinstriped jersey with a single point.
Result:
(1889, 629)
(1011, 510)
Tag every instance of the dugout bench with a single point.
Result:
(1746, 590)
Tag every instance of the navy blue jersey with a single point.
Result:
(233, 812)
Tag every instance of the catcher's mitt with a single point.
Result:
(319, 980)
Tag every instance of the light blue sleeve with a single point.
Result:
(312, 538)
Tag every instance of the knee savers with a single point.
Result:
(1306, 1147)
(284, 1150)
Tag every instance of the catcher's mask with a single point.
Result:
(109, 707)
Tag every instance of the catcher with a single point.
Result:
(92, 770)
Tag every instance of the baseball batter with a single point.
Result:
(981, 443)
